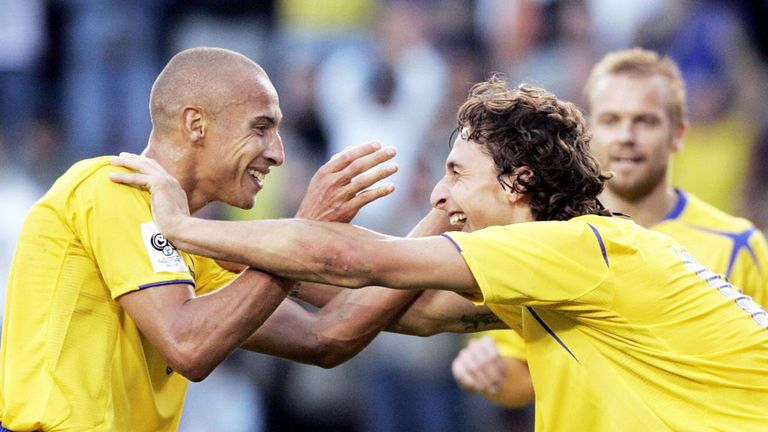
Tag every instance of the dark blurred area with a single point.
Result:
(75, 77)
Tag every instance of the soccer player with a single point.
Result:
(656, 341)
(636, 103)
(106, 321)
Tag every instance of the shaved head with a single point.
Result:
(210, 78)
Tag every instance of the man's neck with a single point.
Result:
(180, 165)
(646, 211)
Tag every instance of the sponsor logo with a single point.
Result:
(160, 243)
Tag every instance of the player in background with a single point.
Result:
(636, 106)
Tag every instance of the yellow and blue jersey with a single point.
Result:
(623, 329)
(726, 244)
(71, 358)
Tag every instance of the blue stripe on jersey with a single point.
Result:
(602, 245)
(740, 241)
(171, 282)
(452, 241)
(677, 210)
(550, 331)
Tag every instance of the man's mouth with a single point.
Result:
(458, 219)
(257, 176)
(625, 162)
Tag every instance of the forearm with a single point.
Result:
(440, 311)
(329, 253)
(316, 294)
(206, 329)
(333, 334)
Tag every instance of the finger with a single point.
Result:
(460, 374)
(365, 163)
(365, 180)
(368, 196)
(131, 179)
(135, 162)
(341, 160)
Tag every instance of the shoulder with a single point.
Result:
(705, 215)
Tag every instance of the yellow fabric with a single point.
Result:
(623, 329)
(726, 244)
(710, 150)
(71, 358)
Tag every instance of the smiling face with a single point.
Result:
(469, 192)
(632, 133)
(242, 143)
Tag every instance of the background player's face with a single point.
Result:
(469, 191)
(243, 144)
(631, 132)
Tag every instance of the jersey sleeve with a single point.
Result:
(534, 264)
(115, 224)
(209, 275)
(750, 269)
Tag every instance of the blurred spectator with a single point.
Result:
(18, 192)
(22, 44)
(722, 81)
(389, 92)
(109, 63)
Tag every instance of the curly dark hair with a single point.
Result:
(529, 127)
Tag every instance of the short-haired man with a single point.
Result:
(106, 321)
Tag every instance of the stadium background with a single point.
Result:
(74, 83)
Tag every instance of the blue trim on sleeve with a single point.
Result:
(453, 241)
(550, 331)
(171, 282)
(677, 210)
(602, 245)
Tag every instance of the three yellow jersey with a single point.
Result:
(623, 329)
(71, 358)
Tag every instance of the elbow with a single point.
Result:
(191, 364)
(331, 352)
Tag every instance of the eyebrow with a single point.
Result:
(452, 164)
(265, 118)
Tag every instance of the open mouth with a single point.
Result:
(257, 177)
(458, 219)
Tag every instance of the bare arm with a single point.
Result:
(442, 311)
(194, 334)
(347, 322)
(331, 253)
(332, 334)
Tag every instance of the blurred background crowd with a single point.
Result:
(75, 77)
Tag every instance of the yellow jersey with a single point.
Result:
(71, 358)
(726, 244)
(623, 329)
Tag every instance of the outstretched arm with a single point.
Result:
(333, 253)
(346, 323)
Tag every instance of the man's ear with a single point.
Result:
(516, 181)
(677, 137)
(193, 123)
